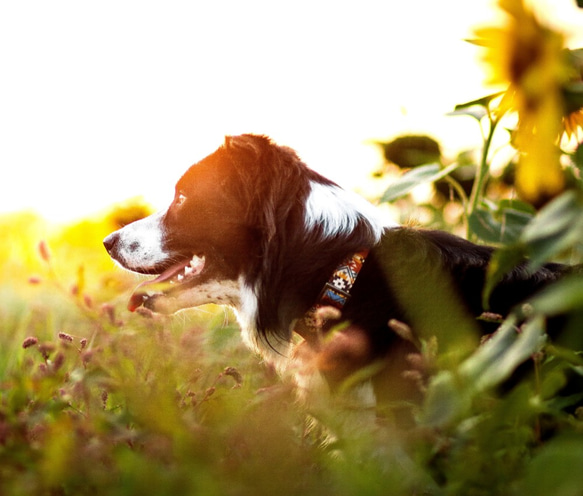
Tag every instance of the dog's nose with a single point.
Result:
(110, 242)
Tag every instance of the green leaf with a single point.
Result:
(557, 227)
(450, 393)
(512, 223)
(484, 101)
(477, 112)
(504, 224)
(482, 224)
(563, 296)
(498, 358)
(517, 205)
(413, 178)
(446, 400)
(554, 219)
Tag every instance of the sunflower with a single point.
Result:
(530, 59)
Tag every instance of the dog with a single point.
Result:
(252, 227)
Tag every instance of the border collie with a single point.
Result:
(251, 226)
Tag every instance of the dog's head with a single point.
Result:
(250, 226)
(206, 239)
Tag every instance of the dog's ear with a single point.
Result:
(230, 142)
(246, 142)
(257, 166)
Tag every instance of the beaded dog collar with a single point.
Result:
(336, 293)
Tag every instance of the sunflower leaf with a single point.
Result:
(502, 224)
(484, 101)
(557, 227)
(413, 178)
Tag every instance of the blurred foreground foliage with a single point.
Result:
(95, 400)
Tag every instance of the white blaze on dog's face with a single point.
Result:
(194, 246)
(139, 247)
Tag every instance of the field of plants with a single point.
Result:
(97, 400)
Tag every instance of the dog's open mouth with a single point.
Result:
(169, 280)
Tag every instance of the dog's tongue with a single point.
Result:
(136, 300)
(140, 294)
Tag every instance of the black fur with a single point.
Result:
(291, 265)
(244, 208)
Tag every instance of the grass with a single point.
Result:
(95, 404)
(96, 400)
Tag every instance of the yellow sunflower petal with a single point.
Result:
(573, 123)
(539, 175)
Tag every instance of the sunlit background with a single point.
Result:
(103, 101)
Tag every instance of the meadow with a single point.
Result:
(97, 400)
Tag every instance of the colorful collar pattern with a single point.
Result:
(336, 293)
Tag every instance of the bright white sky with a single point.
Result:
(102, 101)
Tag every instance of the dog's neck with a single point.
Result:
(334, 295)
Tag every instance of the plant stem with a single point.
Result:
(480, 181)
(461, 193)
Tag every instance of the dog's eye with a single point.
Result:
(180, 199)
